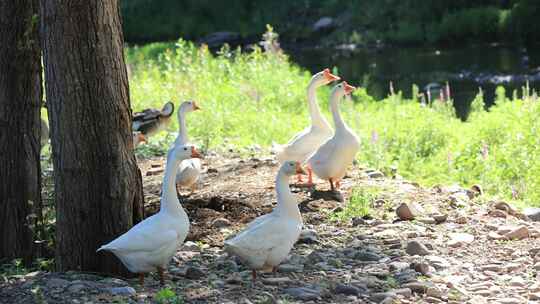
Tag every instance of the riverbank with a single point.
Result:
(456, 246)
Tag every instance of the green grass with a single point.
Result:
(360, 203)
(256, 98)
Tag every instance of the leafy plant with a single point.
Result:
(168, 296)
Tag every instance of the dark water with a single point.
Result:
(465, 68)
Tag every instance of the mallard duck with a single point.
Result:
(151, 121)
(190, 169)
(151, 244)
(266, 241)
(331, 159)
(306, 142)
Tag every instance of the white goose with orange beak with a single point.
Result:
(331, 160)
(151, 244)
(268, 239)
(190, 169)
(306, 142)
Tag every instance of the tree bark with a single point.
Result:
(20, 102)
(98, 185)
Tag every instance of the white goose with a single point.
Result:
(331, 160)
(306, 142)
(268, 239)
(190, 169)
(151, 244)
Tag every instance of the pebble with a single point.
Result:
(190, 246)
(497, 213)
(518, 233)
(379, 297)
(432, 300)
(375, 174)
(404, 292)
(408, 212)
(289, 268)
(194, 273)
(348, 289)
(122, 291)
(534, 296)
(308, 236)
(421, 267)
(304, 293)
(221, 222)
(460, 239)
(440, 218)
(276, 281)
(77, 287)
(367, 256)
(416, 248)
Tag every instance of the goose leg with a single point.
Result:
(299, 178)
(141, 279)
(161, 276)
(254, 274)
(338, 184)
(331, 184)
(310, 176)
(274, 270)
(193, 188)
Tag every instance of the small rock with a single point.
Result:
(459, 239)
(348, 289)
(367, 256)
(398, 266)
(440, 218)
(212, 170)
(427, 220)
(532, 213)
(122, 291)
(518, 233)
(379, 297)
(492, 235)
(375, 174)
(303, 293)
(315, 257)
(462, 219)
(534, 296)
(408, 212)
(194, 273)
(437, 262)
(154, 171)
(289, 268)
(504, 206)
(404, 292)
(358, 221)
(328, 196)
(235, 278)
(516, 300)
(498, 213)
(406, 276)
(190, 246)
(221, 222)
(308, 236)
(432, 300)
(421, 267)
(416, 248)
(276, 281)
(517, 282)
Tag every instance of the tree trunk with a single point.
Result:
(20, 102)
(98, 185)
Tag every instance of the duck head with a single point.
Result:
(292, 167)
(343, 89)
(189, 106)
(324, 77)
(186, 152)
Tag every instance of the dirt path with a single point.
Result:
(457, 249)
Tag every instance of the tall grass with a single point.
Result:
(256, 98)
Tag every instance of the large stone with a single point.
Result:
(518, 233)
(221, 222)
(194, 273)
(122, 291)
(348, 289)
(416, 248)
(532, 213)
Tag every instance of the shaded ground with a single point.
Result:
(463, 258)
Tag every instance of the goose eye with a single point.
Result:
(185, 149)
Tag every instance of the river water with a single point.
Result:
(465, 69)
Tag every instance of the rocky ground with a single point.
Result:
(437, 245)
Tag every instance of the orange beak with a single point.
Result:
(329, 76)
(195, 153)
(348, 88)
(299, 169)
(195, 106)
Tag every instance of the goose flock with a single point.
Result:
(266, 241)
